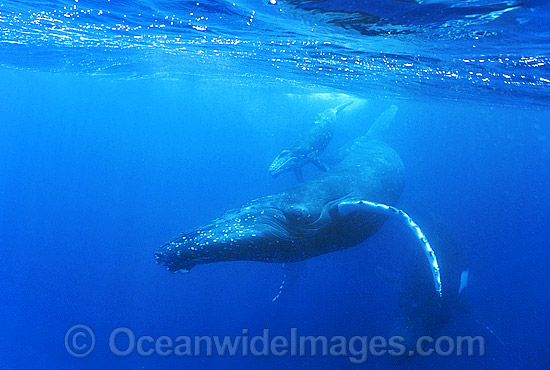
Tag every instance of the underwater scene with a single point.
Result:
(275, 184)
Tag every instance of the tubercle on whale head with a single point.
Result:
(170, 256)
(209, 243)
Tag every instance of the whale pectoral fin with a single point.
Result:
(298, 173)
(291, 272)
(319, 163)
(345, 208)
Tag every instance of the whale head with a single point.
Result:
(265, 233)
(288, 160)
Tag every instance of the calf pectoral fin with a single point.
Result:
(345, 208)
(319, 164)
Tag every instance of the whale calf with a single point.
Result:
(307, 148)
(338, 210)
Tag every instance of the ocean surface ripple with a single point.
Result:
(470, 49)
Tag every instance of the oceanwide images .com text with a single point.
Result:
(80, 342)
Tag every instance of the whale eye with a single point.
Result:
(297, 214)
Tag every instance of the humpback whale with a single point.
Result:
(338, 210)
(307, 149)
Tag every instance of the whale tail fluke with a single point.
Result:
(382, 123)
(376, 131)
(343, 106)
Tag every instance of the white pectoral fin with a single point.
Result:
(345, 208)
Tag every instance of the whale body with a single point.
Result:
(299, 223)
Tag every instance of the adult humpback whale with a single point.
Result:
(307, 148)
(340, 209)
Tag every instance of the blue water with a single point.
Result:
(123, 123)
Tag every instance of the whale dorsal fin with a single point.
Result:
(347, 207)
